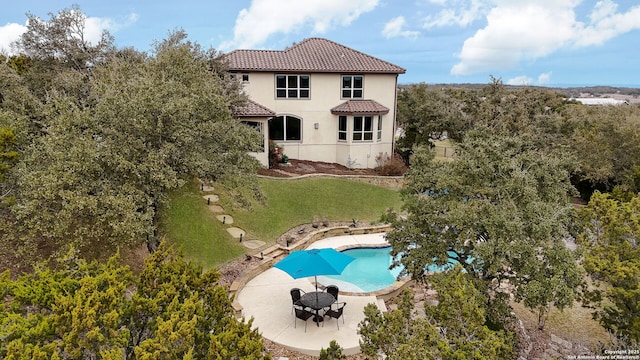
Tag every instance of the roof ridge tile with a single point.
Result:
(310, 55)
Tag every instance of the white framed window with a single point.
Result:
(352, 86)
(285, 128)
(241, 76)
(362, 128)
(379, 135)
(292, 86)
(342, 128)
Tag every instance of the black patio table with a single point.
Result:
(317, 300)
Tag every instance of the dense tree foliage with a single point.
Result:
(500, 209)
(8, 157)
(63, 38)
(611, 229)
(425, 114)
(98, 158)
(608, 144)
(453, 329)
(333, 352)
(78, 310)
(59, 55)
(601, 140)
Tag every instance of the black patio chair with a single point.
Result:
(296, 294)
(336, 311)
(302, 314)
(333, 290)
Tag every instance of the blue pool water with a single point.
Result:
(368, 272)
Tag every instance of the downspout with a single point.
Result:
(395, 115)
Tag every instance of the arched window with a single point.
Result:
(285, 128)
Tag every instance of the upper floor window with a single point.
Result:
(362, 128)
(292, 86)
(243, 77)
(285, 128)
(352, 86)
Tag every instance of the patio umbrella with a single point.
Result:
(314, 262)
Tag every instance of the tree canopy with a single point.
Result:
(609, 236)
(75, 309)
(500, 209)
(453, 329)
(600, 140)
(97, 166)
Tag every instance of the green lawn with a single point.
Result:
(294, 202)
(188, 223)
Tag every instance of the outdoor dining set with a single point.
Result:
(316, 304)
(308, 305)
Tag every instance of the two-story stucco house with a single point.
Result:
(321, 100)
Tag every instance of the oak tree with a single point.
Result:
(500, 209)
(99, 173)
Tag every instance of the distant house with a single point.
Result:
(321, 100)
(601, 101)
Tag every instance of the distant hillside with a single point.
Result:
(624, 93)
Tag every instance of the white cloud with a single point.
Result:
(531, 29)
(544, 78)
(606, 23)
(520, 80)
(394, 29)
(8, 34)
(267, 17)
(457, 13)
(94, 26)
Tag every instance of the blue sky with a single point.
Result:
(534, 42)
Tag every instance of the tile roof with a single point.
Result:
(310, 55)
(352, 107)
(252, 109)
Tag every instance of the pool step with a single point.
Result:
(273, 252)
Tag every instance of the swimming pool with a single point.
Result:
(369, 271)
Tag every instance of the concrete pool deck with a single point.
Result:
(266, 298)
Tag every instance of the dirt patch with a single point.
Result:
(297, 168)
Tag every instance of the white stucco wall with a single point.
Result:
(322, 144)
(262, 156)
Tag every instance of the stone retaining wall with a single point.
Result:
(334, 231)
(391, 182)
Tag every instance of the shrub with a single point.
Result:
(390, 165)
(275, 154)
